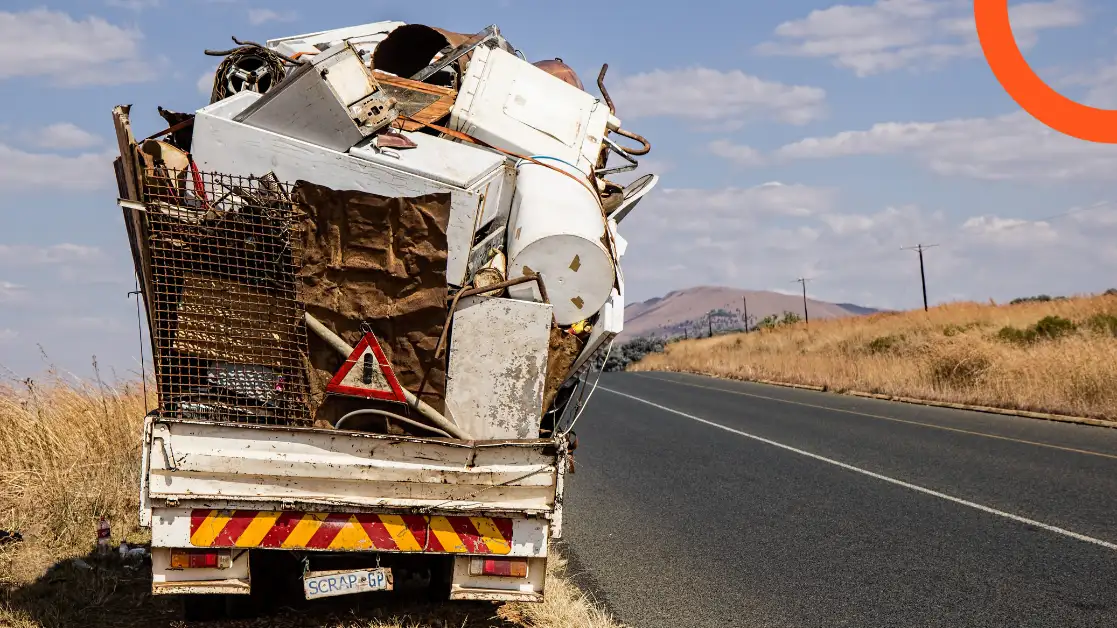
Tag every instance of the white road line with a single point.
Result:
(885, 478)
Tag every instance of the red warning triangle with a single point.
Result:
(366, 373)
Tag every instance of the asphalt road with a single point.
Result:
(700, 502)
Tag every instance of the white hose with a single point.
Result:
(390, 415)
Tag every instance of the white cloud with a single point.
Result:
(659, 167)
(133, 5)
(91, 51)
(21, 170)
(1100, 81)
(7, 335)
(11, 293)
(56, 254)
(1013, 146)
(892, 34)
(262, 16)
(205, 83)
(737, 153)
(63, 136)
(711, 95)
(1010, 232)
(756, 238)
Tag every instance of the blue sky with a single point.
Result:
(795, 138)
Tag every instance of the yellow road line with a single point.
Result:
(887, 418)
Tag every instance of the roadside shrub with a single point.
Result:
(1052, 327)
(1016, 336)
(958, 367)
(1103, 324)
(1047, 328)
(953, 330)
(884, 344)
(626, 354)
(1043, 298)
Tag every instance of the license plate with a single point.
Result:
(332, 583)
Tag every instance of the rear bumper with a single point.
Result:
(240, 532)
(473, 534)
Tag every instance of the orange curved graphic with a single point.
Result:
(1028, 90)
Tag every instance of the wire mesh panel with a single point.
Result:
(228, 330)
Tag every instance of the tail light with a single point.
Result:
(504, 567)
(200, 559)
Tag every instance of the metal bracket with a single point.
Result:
(633, 164)
(376, 112)
(168, 458)
(492, 32)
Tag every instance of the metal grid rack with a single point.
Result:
(227, 329)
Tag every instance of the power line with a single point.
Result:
(870, 255)
(922, 275)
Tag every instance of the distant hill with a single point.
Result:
(687, 309)
(859, 310)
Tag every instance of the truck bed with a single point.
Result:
(202, 474)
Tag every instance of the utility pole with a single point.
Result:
(710, 319)
(745, 300)
(806, 316)
(922, 275)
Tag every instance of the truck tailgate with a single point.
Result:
(222, 466)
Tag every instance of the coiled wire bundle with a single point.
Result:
(250, 67)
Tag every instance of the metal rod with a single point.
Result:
(644, 150)
(171, 129)
(416, 404)
(250, 44)
(605, 92)
(456, 53)
(508, 284)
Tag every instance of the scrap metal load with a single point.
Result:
(388, 227)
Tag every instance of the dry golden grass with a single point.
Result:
(69, 453)
(954, 353)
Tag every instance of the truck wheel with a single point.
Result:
(203, 607)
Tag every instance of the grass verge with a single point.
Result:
(69, 454)
(1045, 356)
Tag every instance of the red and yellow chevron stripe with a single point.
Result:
(347, 532)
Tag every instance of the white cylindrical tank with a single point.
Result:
(557, 229)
